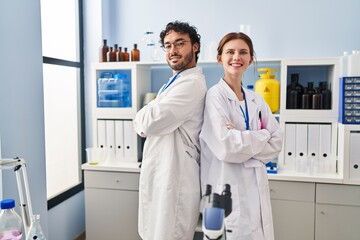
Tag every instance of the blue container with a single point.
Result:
(114, 91)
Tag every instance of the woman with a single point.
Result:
(239, 136)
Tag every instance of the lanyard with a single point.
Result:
(170, 82)
(246, 114)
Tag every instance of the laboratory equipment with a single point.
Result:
(19, 166)
(126, 55)
(114, 90)
(294, 92)
(35, 231)
(135, 54)
(269, 88)
(103, 51)
(10, 221)
(214, 209)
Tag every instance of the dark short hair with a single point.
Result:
(183, 28)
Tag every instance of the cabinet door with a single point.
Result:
(111, 214)
(293, 219)
(334, 222)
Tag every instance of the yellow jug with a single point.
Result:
(269, 88)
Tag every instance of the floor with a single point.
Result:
(81, 237)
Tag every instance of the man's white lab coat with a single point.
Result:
(169, 180)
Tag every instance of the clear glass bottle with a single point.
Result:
(135, 54)
(35, 231)
(10, 221)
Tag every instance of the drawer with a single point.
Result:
(112, 180)
(294, 191)
(338, 194)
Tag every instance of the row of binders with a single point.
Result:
(307, 148)
(119, 137)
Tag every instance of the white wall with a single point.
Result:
(279, 28)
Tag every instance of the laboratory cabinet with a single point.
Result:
(111, 204)
(337, 212)
(313, 210)
(293, 208)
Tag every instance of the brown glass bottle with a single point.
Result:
(135, 54)
(108, 54)
(126, 55)
(116, 50)
(103, 52)
(112, 55)
(120, 56)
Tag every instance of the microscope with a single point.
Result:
(214, 209)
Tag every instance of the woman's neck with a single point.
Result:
(235, 84)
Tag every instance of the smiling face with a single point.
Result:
(181, 54)
(235, 58)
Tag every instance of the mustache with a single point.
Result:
(174, 54)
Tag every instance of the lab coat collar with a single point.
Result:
(250, 98)
(232, 96)
(190, 71)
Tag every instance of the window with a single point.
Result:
(63, 74)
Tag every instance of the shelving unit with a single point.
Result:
(149, 77)
(112, 126)
(308, 121)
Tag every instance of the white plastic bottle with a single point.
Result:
(344, 64)
(354, 64)
(10, 221)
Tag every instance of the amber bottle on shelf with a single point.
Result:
(108, 54)
(135, 54)
(103, 52)
(112, 55)
(120, 56)
(126, 55)
(116, 50)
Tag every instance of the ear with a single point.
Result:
(219, 59)
(196, 47)
(251, 61)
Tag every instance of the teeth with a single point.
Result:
(236, 65)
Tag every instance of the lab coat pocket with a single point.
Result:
(192, 153)
(253, 163)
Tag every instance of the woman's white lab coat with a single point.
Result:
(238, 157)
(170, 175)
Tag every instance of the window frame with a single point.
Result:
(61, 197)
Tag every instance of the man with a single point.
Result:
(169, 180)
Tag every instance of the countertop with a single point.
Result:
(113, 167)
(280, 176)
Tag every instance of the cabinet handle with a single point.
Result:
(322, 212)
(117, 181)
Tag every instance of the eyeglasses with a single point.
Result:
(178, 45)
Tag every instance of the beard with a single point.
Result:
(183, 64)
